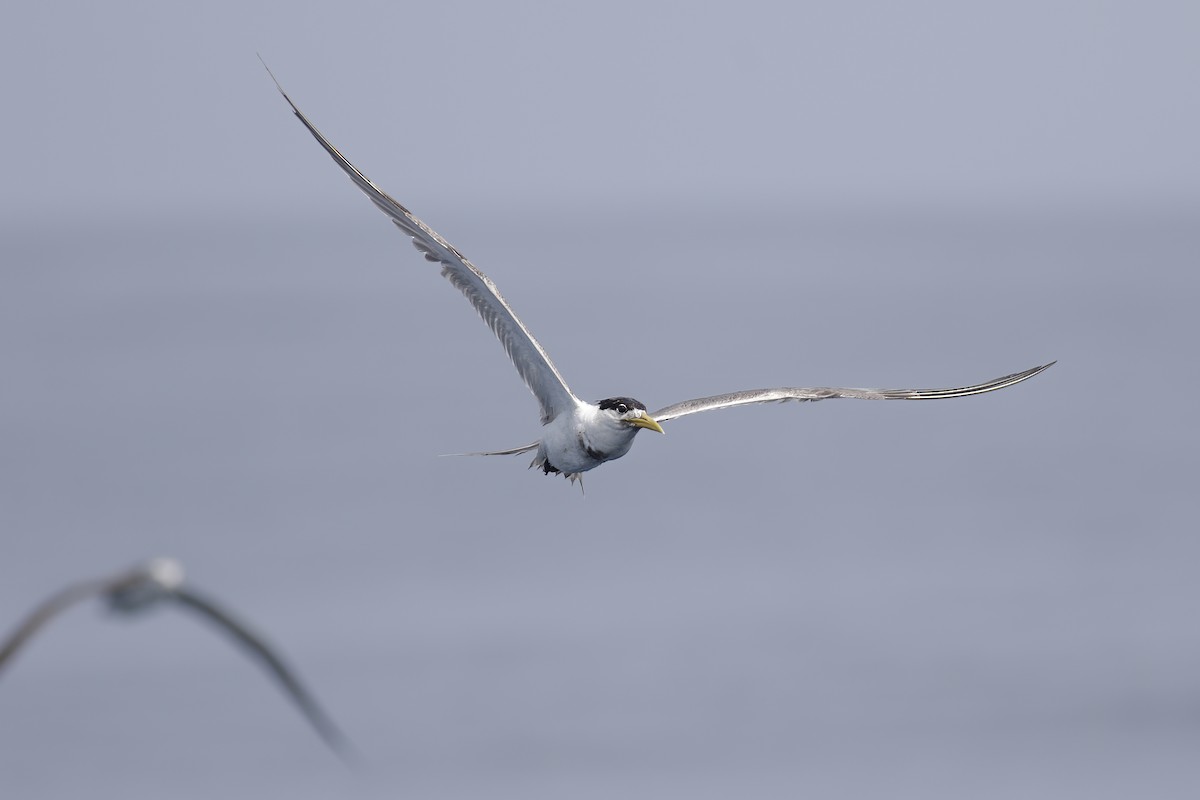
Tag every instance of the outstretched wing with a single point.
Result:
(528, 356)
(786, 393)
(50, 608)
(274, 663)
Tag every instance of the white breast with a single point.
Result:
(585, 439)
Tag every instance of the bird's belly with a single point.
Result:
(569, 456)
(572, 451)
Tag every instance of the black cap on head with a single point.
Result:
(621, 404)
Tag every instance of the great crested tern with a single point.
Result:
(577, 435)
(160, 580)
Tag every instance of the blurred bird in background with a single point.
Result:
(160, 581)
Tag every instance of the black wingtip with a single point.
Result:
(1032, 372)
(263, 61)
(277, 84)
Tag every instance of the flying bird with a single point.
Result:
(578, 435)
(154, 583)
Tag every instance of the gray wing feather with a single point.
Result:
(527, 355)
(810, 395)
(274, 663)
(50, 608)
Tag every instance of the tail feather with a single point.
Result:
(516, 451)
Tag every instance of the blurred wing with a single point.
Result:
(274, 663)
(51, 607)
(527, 355)
(785, 393)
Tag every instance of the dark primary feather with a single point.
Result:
(751, 396)
(273, 662)
(525, 352)
(50, 608)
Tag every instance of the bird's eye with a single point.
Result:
(622, 408)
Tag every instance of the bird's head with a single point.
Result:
(146, 584)
(629, 412)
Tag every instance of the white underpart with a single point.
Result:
(568, 438)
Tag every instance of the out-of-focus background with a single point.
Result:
(212, 347)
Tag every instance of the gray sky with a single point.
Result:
(212, 347)
(133, 108)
